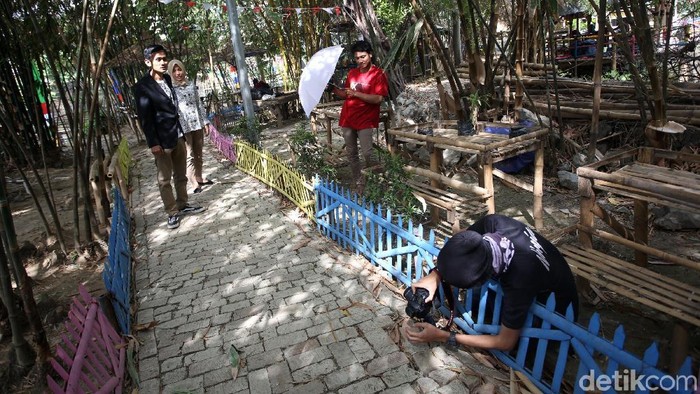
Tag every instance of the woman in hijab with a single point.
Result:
(193, 121)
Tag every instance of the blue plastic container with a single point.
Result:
(518, 163)
(505, 130)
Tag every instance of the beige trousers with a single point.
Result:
(351, 136)
(194, 141)
(171, 164)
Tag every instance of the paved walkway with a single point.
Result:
(307, 316)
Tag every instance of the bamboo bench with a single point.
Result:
(646, 176)
(456, 206)
(649, 288)
(677, 299)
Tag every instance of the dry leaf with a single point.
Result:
(483, 359)
(395, 334)
(145, 326)
(488, 388)
(301, 244)
(376, 290)
(357, 304)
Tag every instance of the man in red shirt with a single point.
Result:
(365, 88)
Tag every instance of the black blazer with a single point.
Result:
(157, 112)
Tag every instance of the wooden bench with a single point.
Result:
(670, 296)
(642, 175)
(642, 285)
(456, 206)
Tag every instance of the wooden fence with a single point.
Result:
(223, 142)
(264, 166)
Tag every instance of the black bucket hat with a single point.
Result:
(465, 260)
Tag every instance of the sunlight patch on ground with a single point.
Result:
(38, 271)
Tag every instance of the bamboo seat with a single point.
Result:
(456, 207)
(672, 297)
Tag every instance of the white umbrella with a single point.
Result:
(315, 77)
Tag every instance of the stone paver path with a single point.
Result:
(251, 273)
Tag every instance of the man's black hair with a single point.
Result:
(150, 50)
(361, 46)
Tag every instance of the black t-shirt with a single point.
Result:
(536, 269)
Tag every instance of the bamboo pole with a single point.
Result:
(621, 115)
(643, 248)
(680, 194)
(476, 190)
(438, 140)
(537, 190)
(612, 222)
(519, 56)
(597, 78)
(512, 180)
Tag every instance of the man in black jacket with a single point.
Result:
(156, 105)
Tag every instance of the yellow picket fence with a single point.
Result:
(264, 166)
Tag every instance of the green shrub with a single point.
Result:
(389, 188)
(309, 154)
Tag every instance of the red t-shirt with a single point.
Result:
(357, 114)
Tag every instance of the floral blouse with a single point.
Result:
(192, 116)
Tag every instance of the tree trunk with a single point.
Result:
(597, 79)
(9, 238)
(23, 351)
(642, 31)
(441, 53)
(519, 54)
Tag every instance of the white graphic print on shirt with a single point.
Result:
(536, 247)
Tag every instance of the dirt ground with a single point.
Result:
(56, 277)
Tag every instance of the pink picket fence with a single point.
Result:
(92, 355)
(223, 142)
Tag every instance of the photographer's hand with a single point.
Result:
(430, 283)
(425, 332)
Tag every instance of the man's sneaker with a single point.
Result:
(173, 221)
(189, 209)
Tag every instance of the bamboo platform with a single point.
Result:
(489, 148)
(644, 180)
(457, 207)
(647, 287)
(280, 106)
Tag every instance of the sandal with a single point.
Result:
(207, 182)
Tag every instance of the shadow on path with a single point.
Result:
(254, 274)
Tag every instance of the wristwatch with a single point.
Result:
(452, 340)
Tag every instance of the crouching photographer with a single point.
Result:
(526, 265)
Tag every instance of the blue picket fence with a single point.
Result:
(117, 270)
(548, 340)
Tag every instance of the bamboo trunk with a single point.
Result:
(112, 166)
(597, 79)
(519, 57)
(94, 178)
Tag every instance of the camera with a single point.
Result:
(417, 308)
